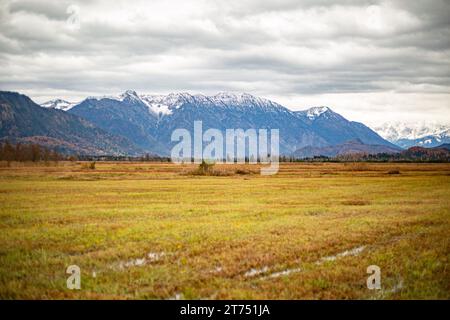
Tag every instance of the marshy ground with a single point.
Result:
(156, 231)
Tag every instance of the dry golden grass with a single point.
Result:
(226, 237)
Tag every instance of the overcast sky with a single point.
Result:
(372, 61)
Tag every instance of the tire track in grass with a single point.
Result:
(356, 251)
(267, 272)
(254, 272)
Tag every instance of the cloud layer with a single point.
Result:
(372, 61)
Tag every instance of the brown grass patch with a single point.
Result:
(357, 166)
(356, 202)
(210, 169)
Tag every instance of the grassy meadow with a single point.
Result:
(156, 231)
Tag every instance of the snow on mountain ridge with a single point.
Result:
(165, 104)
(59, 104)
(415, 130)
(243, 100)
(314, 112)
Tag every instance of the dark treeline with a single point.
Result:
(407, 156)
(35, 152)
(382, 157)
(146, 157)
(27, 152)
(413, 154)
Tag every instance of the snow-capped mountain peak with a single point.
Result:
(408, 134)
(315, 112)
(412, 130)
(59, 104)
(130, 94)
(244, 100)
(233, 98)
(165, 104)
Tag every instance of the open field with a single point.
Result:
(151, 230)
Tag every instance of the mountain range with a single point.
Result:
(420, 134)
(132, 124)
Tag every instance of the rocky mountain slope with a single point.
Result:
(21, 120)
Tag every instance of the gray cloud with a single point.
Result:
(56, 10)
(395, 55)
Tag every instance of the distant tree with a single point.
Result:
(46, 155)
(35, 152)
(8, 152)
(19, 154)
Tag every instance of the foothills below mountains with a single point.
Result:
(132, 124)
(350, 147)
(23, 121)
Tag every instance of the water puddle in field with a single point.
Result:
(282, 273)
(396, 288)
(256, 272)
(139, 262)
(216, 270)
(352, 252)
(177, 296)
(155, 256)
